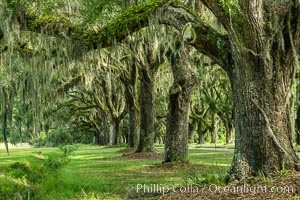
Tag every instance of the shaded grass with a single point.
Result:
(95, 172)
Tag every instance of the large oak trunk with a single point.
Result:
(146, 143)
(176, 146)
(263, 124)
(264, 60)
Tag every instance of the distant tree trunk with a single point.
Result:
(200, 133)
(97, 138)
(160, 140)
(229, 133)
(192, 130)
(116, 132)
(4, 128)
(176, 146)
(20, 134)
(200, 137)
(146, 143)
(228, 124)
(133, 135)
(108, 130)
(297, 124)
(214, 130)
(131, 94)
(5, 118)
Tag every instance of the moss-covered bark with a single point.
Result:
(146, 142)
(176, 146)
(126, 23)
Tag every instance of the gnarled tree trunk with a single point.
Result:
(214, 130)
(262, 120)
(262, 82)
(131, 93)
(5, 111)
(133, 136)
(176, 146)
(297, 124)
(146, 143)
(116, 132)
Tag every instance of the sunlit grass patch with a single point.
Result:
(103, 172)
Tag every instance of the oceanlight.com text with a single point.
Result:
(213, 188)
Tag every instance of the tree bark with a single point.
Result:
(297, 130)
(108, 130)
(116, 132)
(192, 130)
(229, 133)
(262, 125)
(176, 146)
(5, 116)
(200, 137)
(133, 137)
(146, 143)
(4, 128)
(262, 91)
(200, 132)
(214, 130)
(131, 93)
(97, 138)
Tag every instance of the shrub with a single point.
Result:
(21, 170)
(39, 141)
(68, 149)
(60, 136)
(21, 179)
(54, 160)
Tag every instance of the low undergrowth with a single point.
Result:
(28, 179)
(93, 172)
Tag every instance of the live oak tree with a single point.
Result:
(148, 56)
(259, 51)
(176, 142)
(129, 78)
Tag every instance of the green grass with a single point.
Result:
(210, 145)
(226, 146)
(98, 172)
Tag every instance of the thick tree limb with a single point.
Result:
(208, 41)
(219, 11)
(128, 22)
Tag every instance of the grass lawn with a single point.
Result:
(95, 172)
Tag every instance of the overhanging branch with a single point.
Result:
(218, 10)
(208, 40)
